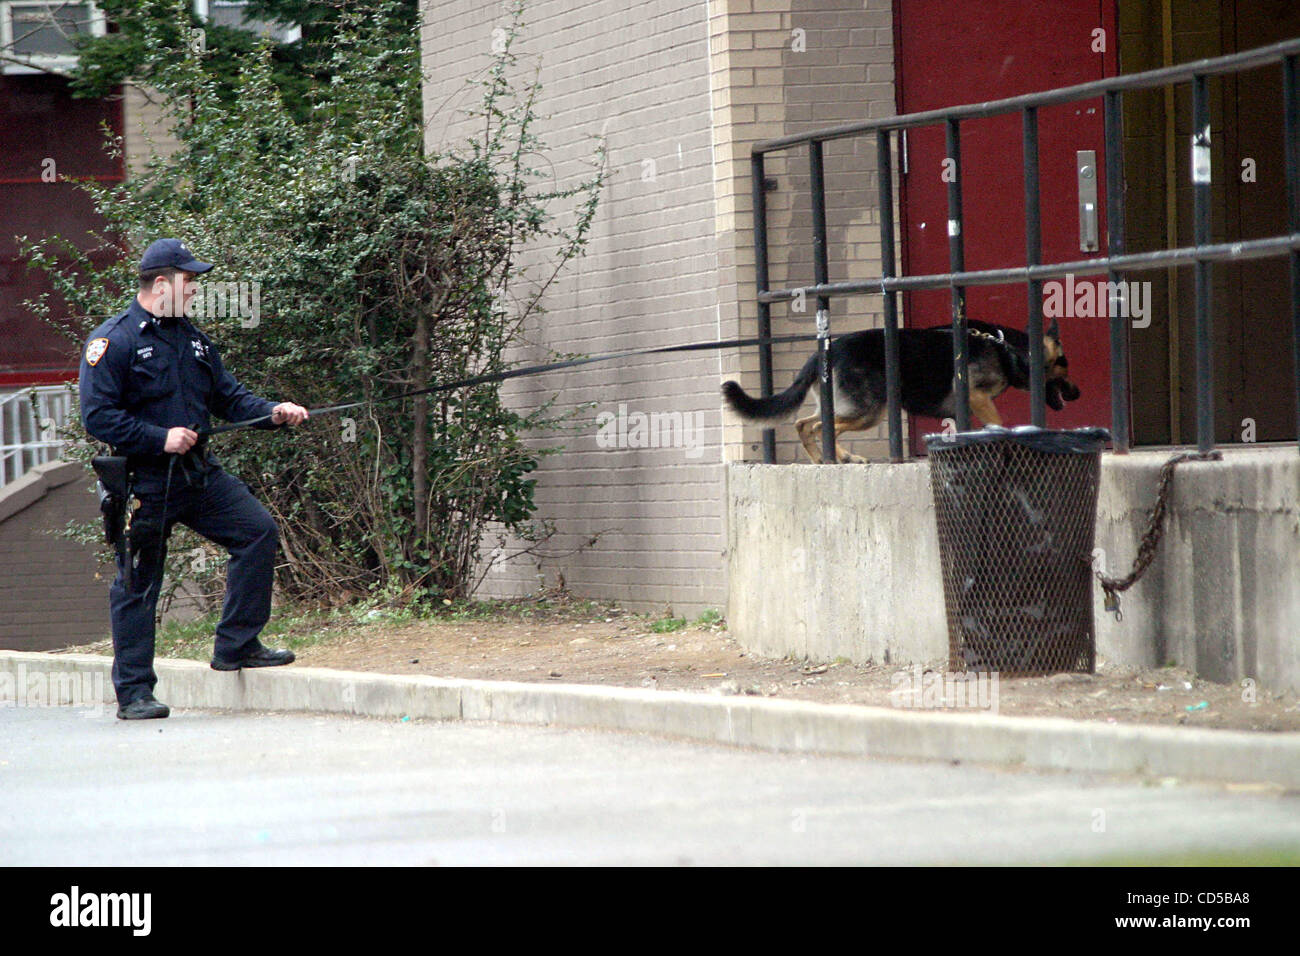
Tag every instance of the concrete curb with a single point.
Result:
(36, 679)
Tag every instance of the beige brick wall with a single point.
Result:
(817, 63)
(146, 128)
(679, 89)
(638, 77)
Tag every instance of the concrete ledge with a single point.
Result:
(843, 561)
(827, 562)
(33, 485)
(59, 472)
(1222, 596)
(781, 725)
(20, 494)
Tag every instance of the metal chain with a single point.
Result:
(1151, 537)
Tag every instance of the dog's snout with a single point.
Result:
(1060, 391)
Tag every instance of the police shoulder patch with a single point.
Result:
(95, 350)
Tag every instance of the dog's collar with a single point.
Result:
(999, 339)
(1014, 365)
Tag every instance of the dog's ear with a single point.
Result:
(1054, 331)
(1051, 350)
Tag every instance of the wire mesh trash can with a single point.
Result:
(1016, 510)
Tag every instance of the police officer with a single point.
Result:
(149, 379)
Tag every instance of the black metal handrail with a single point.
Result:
(1199, 256)
(1133, 261)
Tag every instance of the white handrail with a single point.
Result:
(29, 420)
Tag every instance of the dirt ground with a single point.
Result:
(616, 649)
(588, 644)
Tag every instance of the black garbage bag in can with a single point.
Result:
(1016, 510)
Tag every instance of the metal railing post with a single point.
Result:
(764, 309)
(957, 263)
(1115, 242)
(893, 384)
(1291, 141)
(1201, 176)
(825, 374)
(24, 441)
(1033, 257)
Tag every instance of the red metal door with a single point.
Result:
(948, 54)
(47, 139)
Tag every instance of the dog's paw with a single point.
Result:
(850, 459)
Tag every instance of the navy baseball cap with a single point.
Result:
(171, 254)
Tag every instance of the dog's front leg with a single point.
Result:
(809, 430)
(843, 425)
(982, 407)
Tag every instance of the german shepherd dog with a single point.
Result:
(998, 355)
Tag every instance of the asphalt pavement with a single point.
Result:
(228, 788)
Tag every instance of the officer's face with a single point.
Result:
(174, 294)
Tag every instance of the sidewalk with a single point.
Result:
(1038, 743)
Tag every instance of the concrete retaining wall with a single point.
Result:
(1223, 594)
(843, 561)
(827, 562)
(52, 590)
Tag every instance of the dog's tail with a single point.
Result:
(763, 409)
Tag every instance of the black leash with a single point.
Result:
(528, 370)
(163, 531)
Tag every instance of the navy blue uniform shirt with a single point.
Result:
(141, 375)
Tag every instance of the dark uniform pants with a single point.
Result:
(222, 509)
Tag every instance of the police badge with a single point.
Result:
(95, 350)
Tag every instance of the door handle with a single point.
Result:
(1086, 165)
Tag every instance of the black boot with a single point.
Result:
(144, 708)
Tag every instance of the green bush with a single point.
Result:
(379, 269)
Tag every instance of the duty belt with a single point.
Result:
(196, 461)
